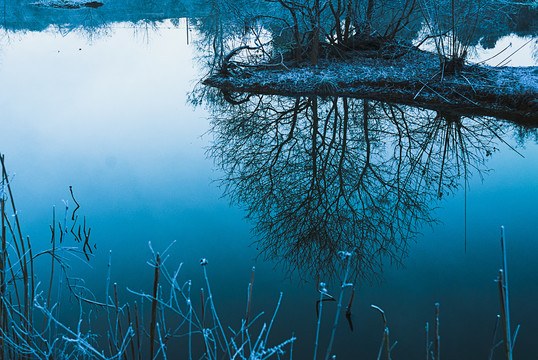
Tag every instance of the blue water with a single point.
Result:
(109, 116)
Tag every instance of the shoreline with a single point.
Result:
(415, 79)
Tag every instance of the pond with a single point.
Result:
(108, 114)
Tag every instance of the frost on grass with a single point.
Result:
(344, 74)
(67, 4)
(413, 78)
(523, 79)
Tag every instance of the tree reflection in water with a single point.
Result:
(317, 176)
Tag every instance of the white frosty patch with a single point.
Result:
(529, 79)
(66, 4)
(519, 79)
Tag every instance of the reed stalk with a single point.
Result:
(347, 257)
(53, 251)
(21, 254)
(189, 318)
(6, 185)
(129, 320)
(20, 247)
(161, 343)
(504, 315)
(385, 343)
(119, 333)
(494, 342)
(154, 306)
(427, 340)
(504, 298)
(320, 301)
(437, 339)
(273, 318)
(202, 299)
(14, 208)
(14, 283)
(108, 299)
(137, 327)
(111, 342)
(225, 345)
(249, 300)
(3, 318)
(53, 241)
(348, 309)
(32, 283)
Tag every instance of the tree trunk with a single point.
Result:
(315, 35)
(369, 15)
(297, 36)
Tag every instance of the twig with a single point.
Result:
(505, 61)
(494, 56)
(435, 92)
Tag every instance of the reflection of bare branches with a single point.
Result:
(143, 29)
(318, 176)
(442, 147)
(93, 26)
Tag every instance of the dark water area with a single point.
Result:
(421, 194)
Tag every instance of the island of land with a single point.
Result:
(414, 78)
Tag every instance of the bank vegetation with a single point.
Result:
(410, 51)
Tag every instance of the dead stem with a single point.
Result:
(437, 340)
(137, 327)
(504, 315)
(249, 295)
(53, 241)
(154, 307)
(32, 282)
(385, 343)
(119, 332)
(131, 326)
(3, 318)
(347, 257)
(427, 340)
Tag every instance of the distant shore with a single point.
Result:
(415, 79)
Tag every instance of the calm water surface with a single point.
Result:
(109, 116)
